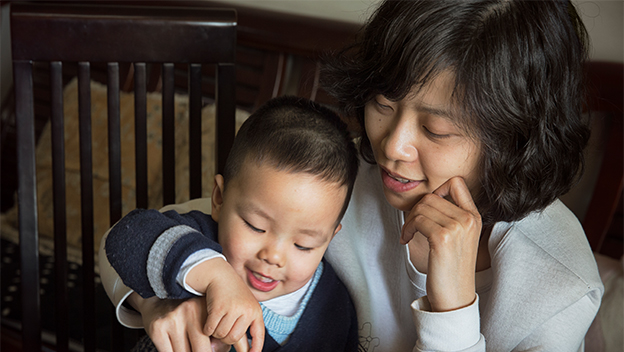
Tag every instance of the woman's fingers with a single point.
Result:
(450, 208)
(199, 342)
(180, 342)
(458, 192)
(219, 346)
(241, 345)
(176, 325)
(161, 341)
(256, 330)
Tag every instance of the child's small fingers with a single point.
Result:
(212, 323)
(222, 331)
(237, 331)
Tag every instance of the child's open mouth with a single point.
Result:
(261, 282)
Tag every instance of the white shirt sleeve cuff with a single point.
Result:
(126, 317)
(192, 261)
(455, 330)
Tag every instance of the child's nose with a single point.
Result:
(273, 254)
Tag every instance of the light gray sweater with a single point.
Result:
(540, 294)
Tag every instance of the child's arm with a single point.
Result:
(147, 248)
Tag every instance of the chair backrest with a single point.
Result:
(115, 35)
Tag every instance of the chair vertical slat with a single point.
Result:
(60, 216)
(140, 133)
(27, 205)
(114, 143)
(114, 171)
(168, 134)
(225, 107)
(195, 131)
(86, 203)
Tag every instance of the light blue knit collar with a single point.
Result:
(279, 326)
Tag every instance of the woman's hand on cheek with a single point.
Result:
(453, 229)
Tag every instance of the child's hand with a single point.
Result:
(231, 307)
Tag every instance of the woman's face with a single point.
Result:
(418, 146)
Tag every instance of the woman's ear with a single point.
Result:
(217, 197)
(338, 228)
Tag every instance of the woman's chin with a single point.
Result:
(401, 202)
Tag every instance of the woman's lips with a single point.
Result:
(261, 282)
(396, 183)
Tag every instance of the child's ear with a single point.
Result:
(217, 197)
(336, 230)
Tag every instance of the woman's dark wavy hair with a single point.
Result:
(298, 136)
(519, 87)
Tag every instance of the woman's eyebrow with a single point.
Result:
(436, 111)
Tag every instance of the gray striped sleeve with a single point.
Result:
(158, 255)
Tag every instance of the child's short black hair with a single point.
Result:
(296, 135)
(519, 87)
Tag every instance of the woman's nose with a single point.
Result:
(399, 144)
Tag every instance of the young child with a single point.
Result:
(275, 209)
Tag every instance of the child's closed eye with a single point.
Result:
(253, 228)
(302, 248)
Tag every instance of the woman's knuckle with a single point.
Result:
(428, 198)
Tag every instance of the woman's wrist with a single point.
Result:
(137, 302)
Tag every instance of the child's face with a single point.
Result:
(274, 226)
(417, 146)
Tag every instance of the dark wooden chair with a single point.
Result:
(115, 35)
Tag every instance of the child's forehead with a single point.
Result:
(252, 166)
(258, 177)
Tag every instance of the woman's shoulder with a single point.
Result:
(551, 240)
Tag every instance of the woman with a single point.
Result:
(472, 120)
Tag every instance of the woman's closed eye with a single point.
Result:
(382, 104)
(436, 135)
